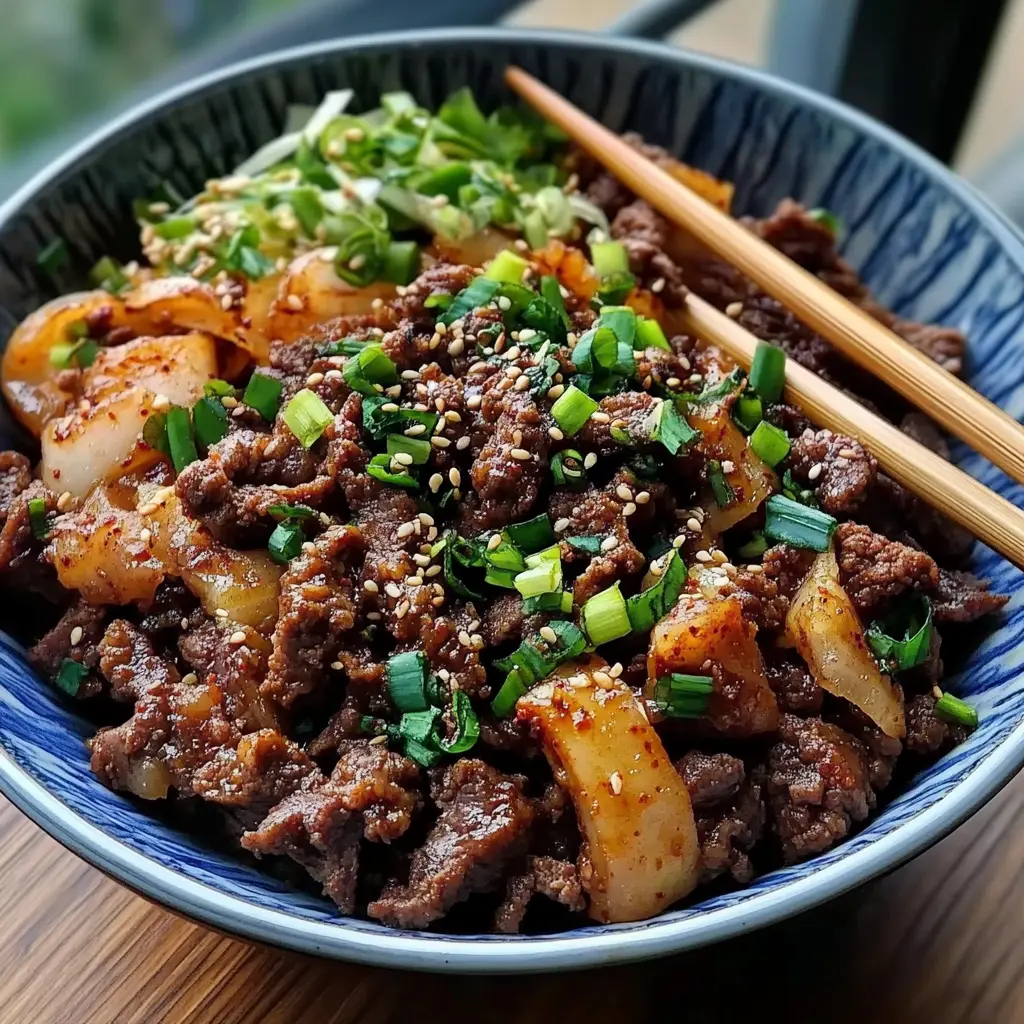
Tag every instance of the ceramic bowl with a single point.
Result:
(927, 244)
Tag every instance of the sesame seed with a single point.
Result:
(615, 779)
(190, 679)
(393, 590)
(389, 407)
(452, 416)
(937, 692)
(673, 382)
(76, 636)
(549, 634)
(684, 362)
(658, 285)
(454, 477)
(220, 613)
(590, 461)
(228, 402)
(600, 417)
(464, 638)
(602, 679)
(401, 610)
(847, 453)
(609, 543)
(693, 524)
(703, 556)
(410, 375)
(520, 454)
(814, 472)
(504, 304)
(734, 309)
(414, 581)
(512, 372)
(494, 541)
(642, 497)
(415, 430)
(474, 401)
(561, 524)
(421, 560)
(403, 458)
(433, 570)
(729, 568)
(379, 740)
(313, 379)
(426, 519)
(63, 501)
(555, 434)
(513, 353)
(406, 530)
(694, 378)
(440, 442)
(294, 302)
(624, 492)
(517, 437)
(373, 616)
(145, 535)
(629, 508)
(728, 466)
(570, 338)
(719, 556)
(432, 533)
(184, 623)
(160, 403)
(754, 568)
(148, 508)
(238, 637)
(556, 391)
(522, 383)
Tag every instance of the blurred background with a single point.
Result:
(945, 72)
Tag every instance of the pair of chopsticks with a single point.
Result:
(962, 411)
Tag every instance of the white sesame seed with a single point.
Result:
(464, 638)
(462, 444)
(728, 466)
(561, 524)
(658, 285)
(220, 613)
(440, 442)
(406, 530)
(76, 636)
(556, 434)
(452, 416)
(370, 587)
(401, 609)
(433, 570)
(616, 670)
(504, 304)
(734, 309)
(602, 679)
(160, 403)
(609, 543)
(615, 779)
(600, 417)
(373, 616)
(520, 454)
(403, 458)
(294, 302)
(184, 623)
(474, 401)
(814, 472)
(393, 590)
(494, 541)
(410, 375)
(517, 437)
(624, 492)
(522, 383)
(63, 501)
(190, 679)
(590, 461)
(703, 556)
(238, 637)
(719, 556)
(684, 362)
(512, 372)
(549, 634)
(629, 508)
(642, 497)
(415, 430)
(454, 477)
(846, 453)
(693, 524)
(414, 581)
(556, 391)
(228, 402)
(673, 382)
(313, 379)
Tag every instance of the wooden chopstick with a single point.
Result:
(988, 516)
(962, 411)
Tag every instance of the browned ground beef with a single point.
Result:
(290, 731)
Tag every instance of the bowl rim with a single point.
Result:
(452, 953)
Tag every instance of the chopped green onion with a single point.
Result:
(507, 268)
(502, 564)
(420, 752)
(551, 291)
(572, 409)
(286, 541)
(370, 371)
(545, 578)
(535, 659)
(344, 347)
(792, 490)
(418, 731)
(380, 423)
(217, 388)
(467, 725)
(560, 601)
(747, 411)
(479, 292)
(380, 469)
(667, 425)
(81, 353)
(769, 443)
(621, 321)
(511, 690)
(650, 335)
(154, 433)
(722, 389)
(452, 546)
(407, 681)
(307, 417)
(37, 518)
(683, 696)
(175, 228)
(211, 421)
(179, 437)
(54, 256)
(902, 639)
(292, 511)
(567, 469)
(415, 447)
(587, 545)
(953, 709)
(110, 276)
(614, 288)
(827, 219)
(401, 262)
(70, 676)
(609, 258)
(654, 603)
(792, 523)
(263, 394)
(719, 485)
(604, 616)
(531, 534)
(437, 300)
(768, 371)
(755, 547)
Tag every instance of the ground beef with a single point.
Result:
(794, 687)
(177, 727)
(439, 279)
(927, 733)
(503, 621)
(844, 470)
(882, 750)
(558, 880)
(765, 590)
(961, 597)
(15, 477)
(873, 569)
(316, 610)
(21, 561)
(485, 822)
(644, 233)
(818, 785)
(943, 345)
(85, 623)
(630, 411)
(710, 778)
(174, 608)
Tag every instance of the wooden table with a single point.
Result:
(941, 941)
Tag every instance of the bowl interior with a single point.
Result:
(926, 245)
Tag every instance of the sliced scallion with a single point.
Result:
(654, 603)
(284, 511)
(678, 695)
(768, 371)
(720, 488)
(210, 419)
(621, 321)
(307, 417)
(179, 437)
(535, 659)
(755, 547)
(401, 262)
(586, 545)
(507, 268)
(572, 409)
(53, 257)
(407, 681)
(38, 519)
(902, 639)
(380, 423)
(286, 541)
(609, 258)
(263, 394)
(559, 601)
(415, 447)
(792, 523)
(953, 709)
(650, 335)
(769, 443)
(478, 293)
(747, 411)
(567, 469)
(667, 425)
(370, 371)
(70, 676)
(604, 616)
(531, 534)
(380, 469)
(467, 725)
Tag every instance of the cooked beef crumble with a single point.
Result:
(287, 715)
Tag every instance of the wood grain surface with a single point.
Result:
(940, 941)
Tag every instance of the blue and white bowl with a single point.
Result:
(927, 244)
